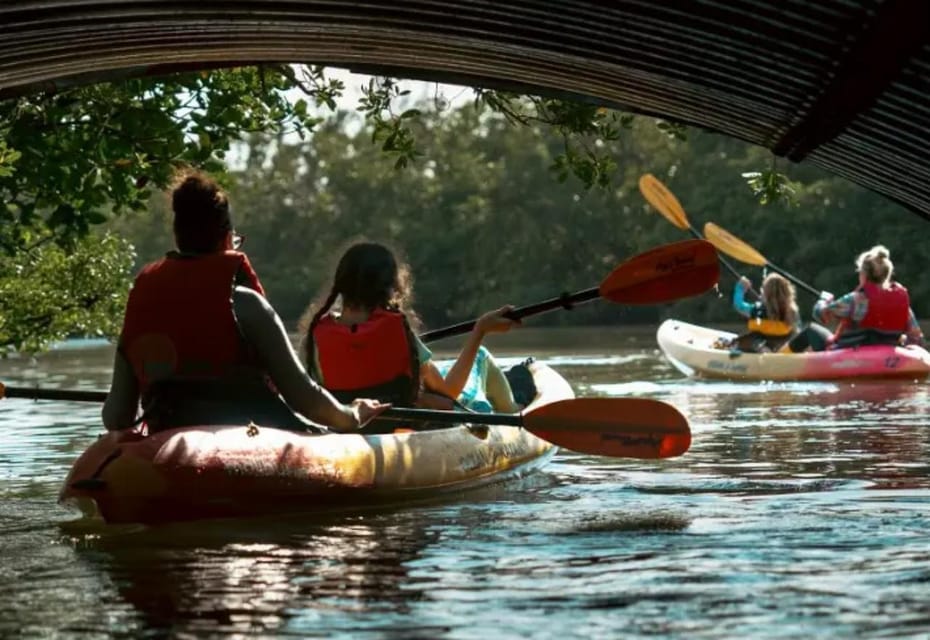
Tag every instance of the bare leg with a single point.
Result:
(497, 389)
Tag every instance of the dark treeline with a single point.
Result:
(484, 221)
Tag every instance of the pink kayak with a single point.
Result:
(691, 350)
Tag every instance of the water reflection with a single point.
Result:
(348, 572)
(246, 576)
(796, 431)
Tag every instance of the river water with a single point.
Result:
(802, 510)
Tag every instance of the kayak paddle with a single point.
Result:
(35, 393)
(663, 274)
(665, 202)
(617, 427)
(736, 248)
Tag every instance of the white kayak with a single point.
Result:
(691, 349)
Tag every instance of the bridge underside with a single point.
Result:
(843, 84)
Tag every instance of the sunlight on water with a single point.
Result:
(799, 512)
(712, 388)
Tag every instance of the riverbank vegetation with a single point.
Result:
(493, 200)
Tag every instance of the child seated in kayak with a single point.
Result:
(771, 321)
(878, 311)
(359, 341)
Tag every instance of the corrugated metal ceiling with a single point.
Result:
(841, 83)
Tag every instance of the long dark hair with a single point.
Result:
(369, 275)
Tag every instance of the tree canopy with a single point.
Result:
(491, 200)
(483, 223)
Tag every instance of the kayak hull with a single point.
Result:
(249, 470)
(690, 349)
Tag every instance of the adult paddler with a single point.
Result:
(200, 344)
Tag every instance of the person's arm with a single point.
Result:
(262, 328)
(915, 334)
(457, 376)
(430, 396)
(247, 277)
(828, 309)
(740, 304)
(122, 403)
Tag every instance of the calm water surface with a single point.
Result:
(801, 510)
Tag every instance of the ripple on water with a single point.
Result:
(800, 511)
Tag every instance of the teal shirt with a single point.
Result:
(423, 352)
(741, 305)
(473, 396)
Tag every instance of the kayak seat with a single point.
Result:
(521, 382)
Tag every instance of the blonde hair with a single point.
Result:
(876, 264)
(778, 297)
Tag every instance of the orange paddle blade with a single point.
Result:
(620, 427)
(666, 273)
(663, 200)
(739, 249)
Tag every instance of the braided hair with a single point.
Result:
(369, 275)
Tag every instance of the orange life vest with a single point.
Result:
(179, 319)
(373, 359)
(772, 328)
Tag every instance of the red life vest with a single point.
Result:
(889, 308)
(179, 319)
(374, 359)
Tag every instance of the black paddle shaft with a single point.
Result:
(803, 285)
(455, 417)
(54, 394)
(394, 413)
(564, 301)
(726, 263)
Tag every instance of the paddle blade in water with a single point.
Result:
(620, 427)
(733, 246)
(663, 200)
(664, 274)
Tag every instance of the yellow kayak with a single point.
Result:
(247, 470)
